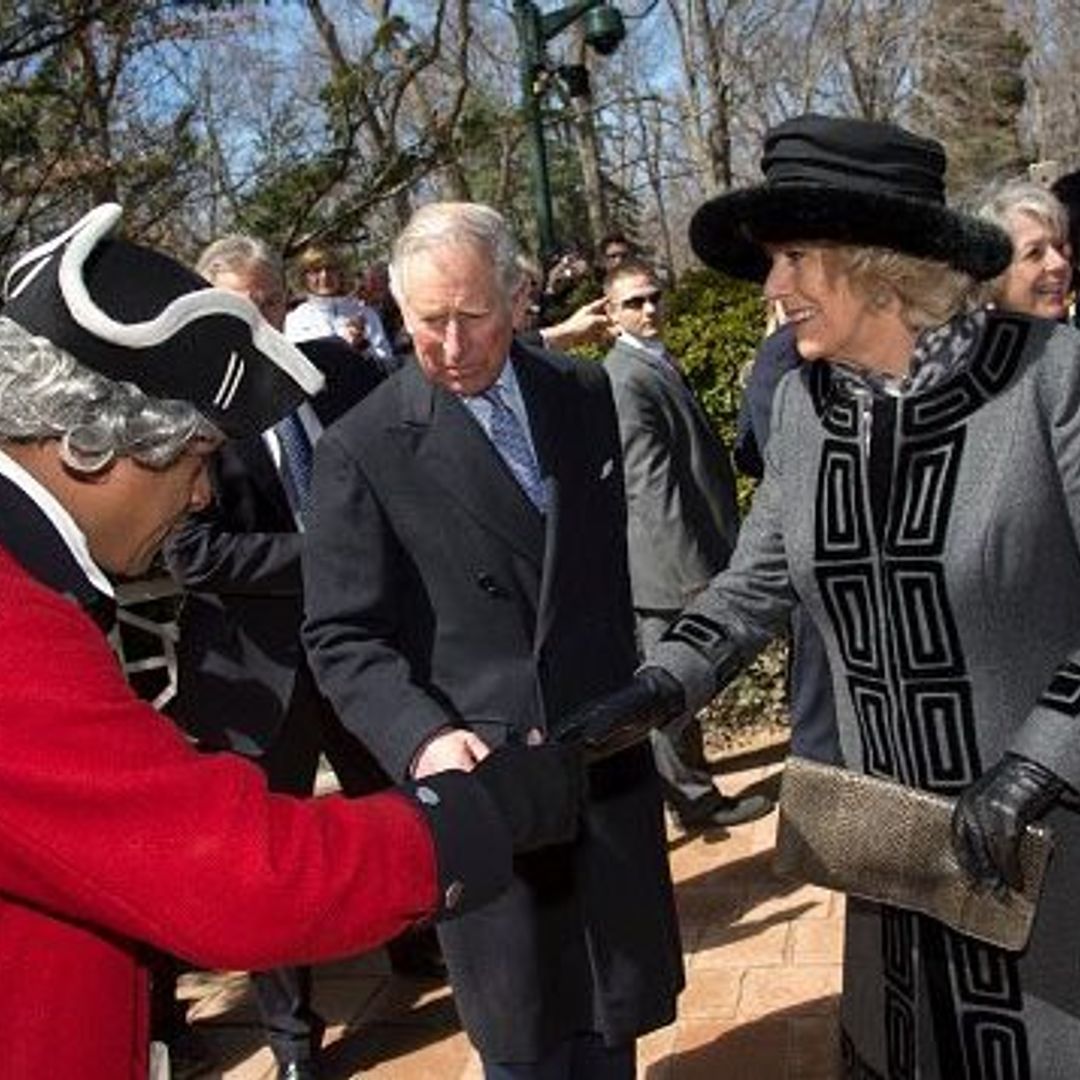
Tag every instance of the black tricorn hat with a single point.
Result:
(136, 315)
(857, 182)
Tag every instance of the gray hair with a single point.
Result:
(448, 224)
(234, 253)
(1013, 197)
(1024, 197)
(45, 393)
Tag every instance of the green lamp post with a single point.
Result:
(604, 30)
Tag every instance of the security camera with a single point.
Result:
(604, 29)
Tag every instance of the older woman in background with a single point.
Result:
(921, 499)
(1038, 279)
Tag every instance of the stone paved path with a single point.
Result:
(763, 969)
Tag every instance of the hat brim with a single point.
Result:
(136, 315)
(728, 232)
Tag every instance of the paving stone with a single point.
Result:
(817, 941)
(712, 992)
(741, 946)
(808, 989)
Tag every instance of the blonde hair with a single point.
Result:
(930, 292)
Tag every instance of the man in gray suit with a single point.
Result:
(683, 519)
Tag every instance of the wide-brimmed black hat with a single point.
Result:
(136, 315)
(855, 182)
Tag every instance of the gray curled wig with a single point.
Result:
(46, 394)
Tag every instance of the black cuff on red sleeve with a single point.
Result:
(472, 842)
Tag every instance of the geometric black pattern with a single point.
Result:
(901, 993)
(851, 600)
(988, 1002)
(1063, 693)
(942, 744)
(924, 632)
(841, 527)
(884, 493)
(926, 482)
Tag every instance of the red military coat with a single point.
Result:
(114, 832)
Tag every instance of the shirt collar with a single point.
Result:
(653, 346)
(62, 521)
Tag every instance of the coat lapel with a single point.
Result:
(541, 387)
(669, 374)
(452, 449)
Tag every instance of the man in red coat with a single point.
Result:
(119, 373)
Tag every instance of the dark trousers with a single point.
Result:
(283, 995)
(584, 1057)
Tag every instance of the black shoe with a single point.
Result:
(189, 1055)
(723, 811)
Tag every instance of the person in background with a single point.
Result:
(614, 249)
(466, 588)
(921, 499)
(374, 291)
(120, 373)
(331, 308)
(243, 683)
(682, 516)
(588, 325)
(1038, 281)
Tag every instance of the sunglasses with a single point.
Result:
(636, 303)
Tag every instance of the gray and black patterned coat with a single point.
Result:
(935, 540)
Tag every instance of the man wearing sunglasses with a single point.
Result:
(683, 518)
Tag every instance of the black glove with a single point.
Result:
(990, 817)
(539, 790)
(625, 717)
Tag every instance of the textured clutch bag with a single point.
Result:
(882, 841)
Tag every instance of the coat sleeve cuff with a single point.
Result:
(700, 655)
(473, 848)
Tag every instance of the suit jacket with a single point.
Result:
(437, 595)
(239, 561)
(680, 489)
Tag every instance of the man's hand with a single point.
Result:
(625, 717)
(991, 815)
(588, 325)
(452, 749)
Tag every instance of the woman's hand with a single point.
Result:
(991, 815)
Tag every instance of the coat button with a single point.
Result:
(454, 892)
(427, 796)
(490, 586)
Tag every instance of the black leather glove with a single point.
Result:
(539, 790)
(608, 724)
(991, 814)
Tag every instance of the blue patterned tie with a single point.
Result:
(296, 450)
(513, 446)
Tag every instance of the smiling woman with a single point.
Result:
(922, 476)
(1037, 280)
